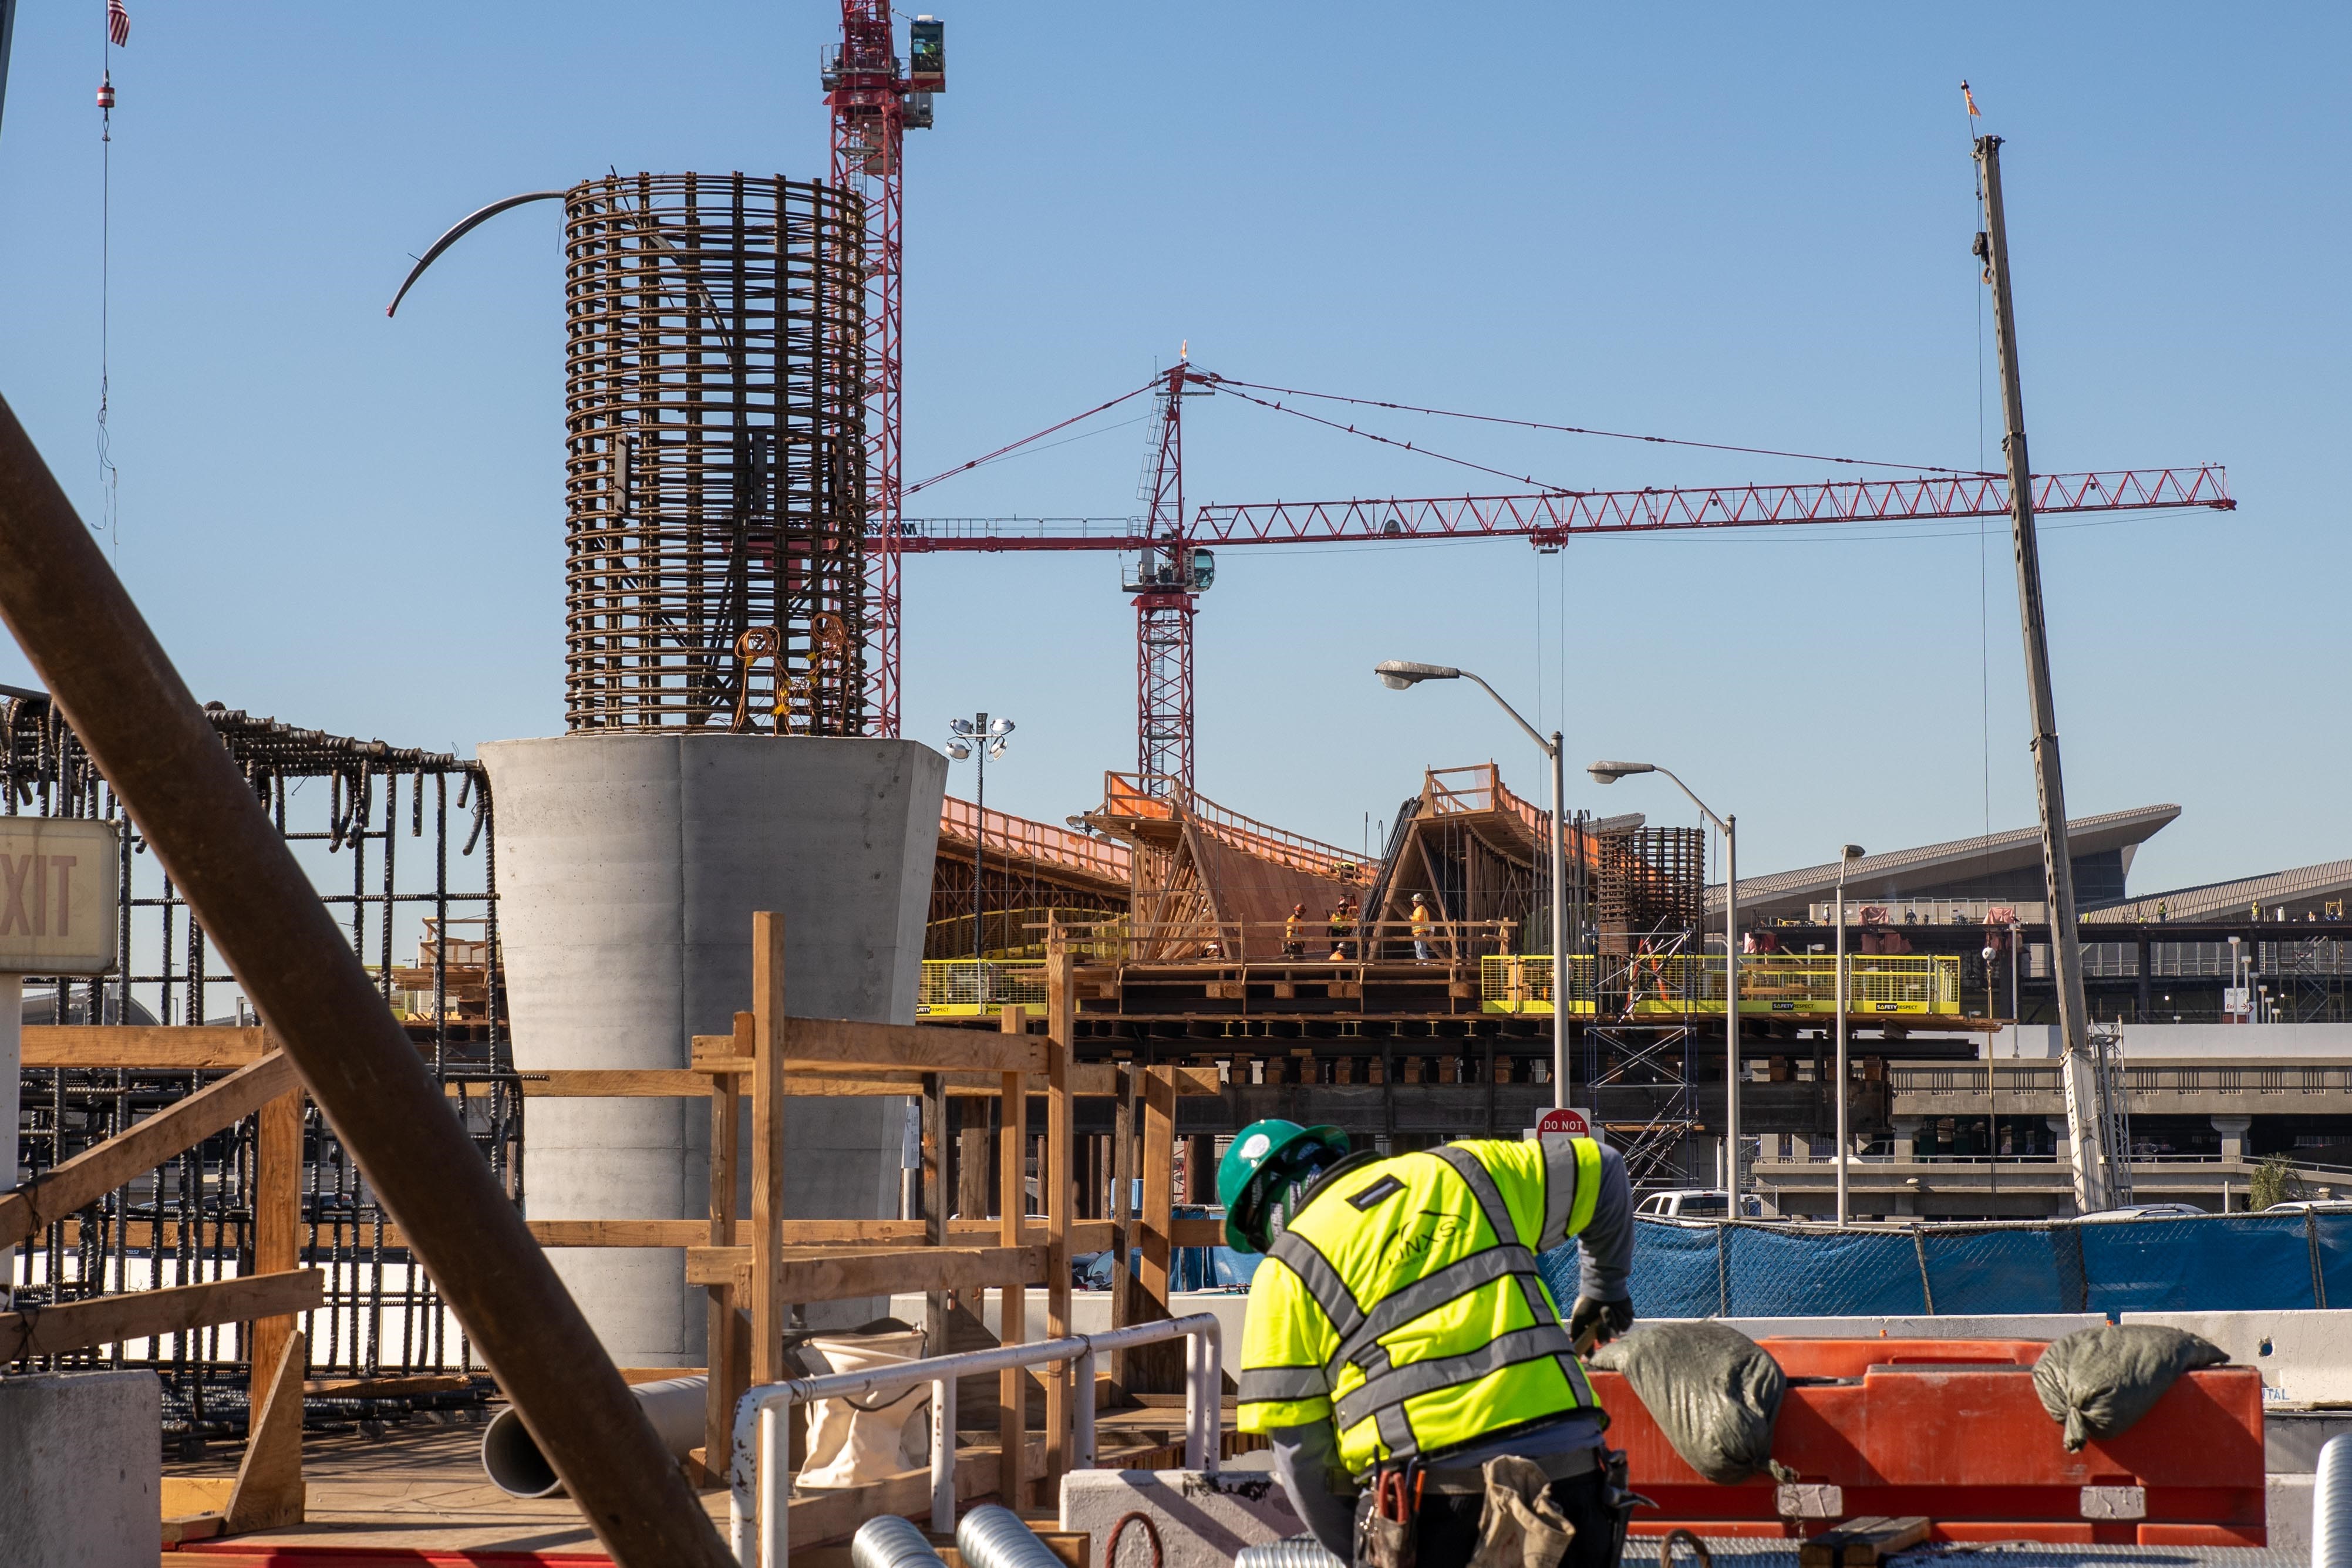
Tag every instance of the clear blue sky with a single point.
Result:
(1728, 223)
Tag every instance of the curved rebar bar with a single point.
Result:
(464, 226)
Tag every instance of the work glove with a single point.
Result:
(1606, 1319)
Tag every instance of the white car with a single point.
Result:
(2312, 1206)
(1700, 1203)
(2147, 1212)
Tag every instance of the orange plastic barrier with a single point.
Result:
(1952, 1429)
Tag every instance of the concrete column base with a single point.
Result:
(629, 867)
(80, 1468)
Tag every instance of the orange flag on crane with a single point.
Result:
(1971, 100)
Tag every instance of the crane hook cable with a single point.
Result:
(1016, 446)
(1612, 434)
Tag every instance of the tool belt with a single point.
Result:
(1462, 1480)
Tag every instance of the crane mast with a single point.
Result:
(874, 102)
(1169, 578)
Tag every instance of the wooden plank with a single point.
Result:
(1012, 1300)
(621, 1232)
(1862, 1542)
(836, 1273)
(89, 1175)
(1122, 1207)
(1196, 1232)
(1159, 1180)
(1061, 1037)
(720, 1318)
(599, 1084)
(934, 1155)
(143, 1314)
(767, 1301)
(714, 1054)
(276, 1240)
(397, 1385)
(818, 1042)
(169, 1048)
(268, 1491)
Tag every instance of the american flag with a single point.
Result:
(118, 22)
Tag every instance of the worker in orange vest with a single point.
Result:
(1421, 925)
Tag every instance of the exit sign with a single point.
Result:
(60, 891)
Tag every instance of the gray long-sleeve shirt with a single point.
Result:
(1306, 1458)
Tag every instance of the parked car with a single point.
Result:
(2147, 1211)
(1702, 1203)
(2312, 1206)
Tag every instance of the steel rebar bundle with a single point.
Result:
(716, 488)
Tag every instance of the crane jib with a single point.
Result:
(1548, 517)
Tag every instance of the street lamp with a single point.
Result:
(1399, 674)
(1846, 857)
(1609, 773)
(986, 737)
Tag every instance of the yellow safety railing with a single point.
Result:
(1685, 983)
(966, 988)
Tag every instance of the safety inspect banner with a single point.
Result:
(60, 888)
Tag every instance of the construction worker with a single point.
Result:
(1421, 924)
(1292, 947)
(1400, 1338)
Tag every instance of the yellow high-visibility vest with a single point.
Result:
(1404, 1305)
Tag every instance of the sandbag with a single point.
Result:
(1713, 1391)
(2096, 1382)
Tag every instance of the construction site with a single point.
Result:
(703, 1135)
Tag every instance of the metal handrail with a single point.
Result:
(760, 1492)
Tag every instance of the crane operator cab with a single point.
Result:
(1166, 568)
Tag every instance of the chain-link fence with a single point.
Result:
(2238, 1262)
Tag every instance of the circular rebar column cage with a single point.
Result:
(716, 478)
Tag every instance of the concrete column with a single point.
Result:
(1907, 1135)
(629, 866)
(2233, 1130)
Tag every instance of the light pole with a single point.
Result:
(1846, 857)
(1398, 674)
(966, 736)
(1609, 773)
(2238, 1011)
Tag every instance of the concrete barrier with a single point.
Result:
(80, 1468)
(1203, 1520)
(2305, 1357)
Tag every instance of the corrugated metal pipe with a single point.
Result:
(511, 1454)
(993, 1537)
(2331, 1506)
(1296, 1552)
(890, 1541)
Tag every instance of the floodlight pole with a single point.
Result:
(1844, 1137)
(1399, 674)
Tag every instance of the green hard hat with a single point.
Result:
(1257, 1146)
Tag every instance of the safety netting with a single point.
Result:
(2239, 1262)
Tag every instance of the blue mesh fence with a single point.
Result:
(2247, 1262)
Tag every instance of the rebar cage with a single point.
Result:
(344, 806)
(716, 476)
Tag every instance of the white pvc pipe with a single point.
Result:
(759, 1516)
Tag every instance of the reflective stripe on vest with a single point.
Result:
(1360, 1316)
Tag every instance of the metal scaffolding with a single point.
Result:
(346, 805)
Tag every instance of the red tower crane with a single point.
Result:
(1176, 568)
(875, 103)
